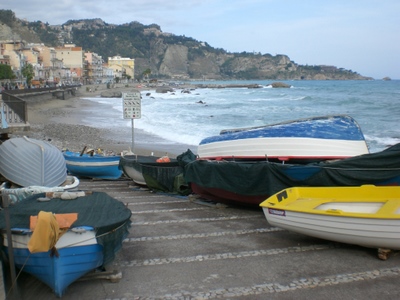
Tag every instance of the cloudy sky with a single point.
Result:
(360, 35)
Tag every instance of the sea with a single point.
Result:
(180, 119)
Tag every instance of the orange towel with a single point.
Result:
(63, 220)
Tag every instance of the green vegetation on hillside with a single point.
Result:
(159, 53)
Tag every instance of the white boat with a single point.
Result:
(310, 139)
(131, 165)
(26, 162)
(16, 193)
(366, 215)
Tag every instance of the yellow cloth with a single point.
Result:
(47, 229)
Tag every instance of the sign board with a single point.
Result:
(132, 105)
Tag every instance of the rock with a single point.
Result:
(111, 94)
(280, 85)
(164, 90)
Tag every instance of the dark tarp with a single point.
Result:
(267, 178)
(160, 176)
(98, 210)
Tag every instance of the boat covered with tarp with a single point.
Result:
(251, 182)
(157, 173)
(91, 241)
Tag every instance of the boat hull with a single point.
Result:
(96, 166)
(283, 149)
(368, 216)
(226, 196)
(131, 165)
(30, 162)
(77, 254)
(311, 139)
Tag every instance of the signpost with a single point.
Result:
(132, 109)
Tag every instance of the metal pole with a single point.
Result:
(5, 199)
(133, 137)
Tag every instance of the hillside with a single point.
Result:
(165, 54)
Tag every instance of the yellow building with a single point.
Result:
(73, 59)
(13, 50)
(122, 66)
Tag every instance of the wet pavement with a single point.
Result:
(187, 248)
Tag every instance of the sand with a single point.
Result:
(60, 122)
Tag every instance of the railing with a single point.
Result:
(13, 111)
(14, 108)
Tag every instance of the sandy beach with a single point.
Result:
(61, 123)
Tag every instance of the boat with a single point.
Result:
(131, 165)
(92, 165)
(17, 193)
(306, 140)
(91, 238)
(251, 182)
(157, 173)
(365, 215)
(26, 162)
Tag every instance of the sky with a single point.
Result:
(358, 35)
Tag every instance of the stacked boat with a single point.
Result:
(247, 165)
(312, 176)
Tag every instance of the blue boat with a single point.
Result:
(309, 139)
(92, 165)
(91, 242)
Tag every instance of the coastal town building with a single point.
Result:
(123, 67)
(12, 53)
(108, 73)
(68, 64)
(48, 68)
(72, 58)
(94, 67)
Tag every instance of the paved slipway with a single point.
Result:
(187, 248)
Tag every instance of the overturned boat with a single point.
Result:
(303, 140)
(30, 162)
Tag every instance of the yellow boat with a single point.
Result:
(367, 215)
